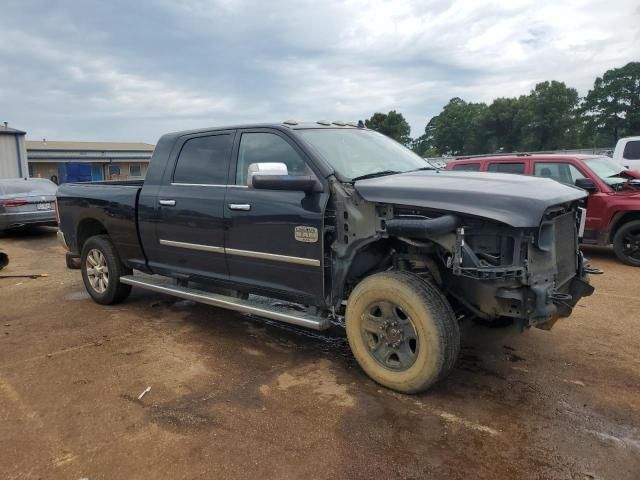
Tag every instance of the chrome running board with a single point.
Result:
(281, 314)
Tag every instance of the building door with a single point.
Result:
(77, 172)
(97, 173)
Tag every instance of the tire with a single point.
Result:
(72, 261)
(626, 243)
(105, 289)
(400, 313)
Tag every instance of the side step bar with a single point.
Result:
(280, 314)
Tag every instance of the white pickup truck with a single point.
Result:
(627, 153)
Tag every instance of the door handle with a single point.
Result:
(167, 203)
(240, 206)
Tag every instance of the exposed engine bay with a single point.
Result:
(533, 275)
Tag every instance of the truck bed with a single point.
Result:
(107, 207)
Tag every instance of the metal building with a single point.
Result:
(13, 155)
(63, 161)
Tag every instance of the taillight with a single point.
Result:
(57, 211)
(13, 203)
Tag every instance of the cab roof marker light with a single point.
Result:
(326, 123)
(352, 124)
(339, 123)
(290, 122)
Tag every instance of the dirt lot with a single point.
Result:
(237, 397)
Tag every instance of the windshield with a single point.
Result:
(607, 169)
(357, 152)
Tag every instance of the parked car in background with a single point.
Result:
(27, 202)
(345, 222)
(613, 205)
(627, 153)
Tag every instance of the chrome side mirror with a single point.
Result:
(265, 168)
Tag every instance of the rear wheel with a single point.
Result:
(626, 243)
(402, 331)
(101, 271)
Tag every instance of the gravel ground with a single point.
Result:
(238, 397)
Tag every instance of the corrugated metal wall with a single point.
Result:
(9, 156)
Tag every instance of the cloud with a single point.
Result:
(133, 70)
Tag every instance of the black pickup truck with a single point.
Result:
(343, 223)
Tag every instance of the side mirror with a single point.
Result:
(264, 169)
(275, 176)
(586, 184)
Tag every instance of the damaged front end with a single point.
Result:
(534, 276)
(516, 260)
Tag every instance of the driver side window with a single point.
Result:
(561, 172)
(266, 147)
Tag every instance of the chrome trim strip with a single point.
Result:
(239, 305)
(243, 253)
(192, 246)
(206, 185)
(61, 240)
(272, 256)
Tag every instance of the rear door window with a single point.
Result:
(561, 172)
(204, 160)
(504, 167)
(467, 167)
(632, 150)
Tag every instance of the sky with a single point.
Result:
(132, 70)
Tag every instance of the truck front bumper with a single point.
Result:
(539, 304)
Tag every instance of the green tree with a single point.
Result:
(502, 124)
(457, 129)
(423, 145)
(612, 107)
(392, 124)
(548, 117)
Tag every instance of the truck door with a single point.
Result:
(189, 235)
(274, 238)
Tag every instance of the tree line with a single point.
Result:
(551, 117)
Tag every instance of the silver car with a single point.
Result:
(26, 202)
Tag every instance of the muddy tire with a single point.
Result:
(402, 331)
(626, 243)
(101, 269)
(72, 261)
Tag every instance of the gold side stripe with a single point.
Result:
(192, 246)
(272, 256)
(243, 253)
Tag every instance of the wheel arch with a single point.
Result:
(620, 219)
(361, 258)
(87, 228)
(374, 256)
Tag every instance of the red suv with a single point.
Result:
(613, 205)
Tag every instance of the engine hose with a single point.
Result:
(422, 227)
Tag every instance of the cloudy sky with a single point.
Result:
(132, 70)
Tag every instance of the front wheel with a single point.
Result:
(101, 271)
(402, 331)
(626, 243)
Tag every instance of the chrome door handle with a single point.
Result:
(240, 206)
(167, 203)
